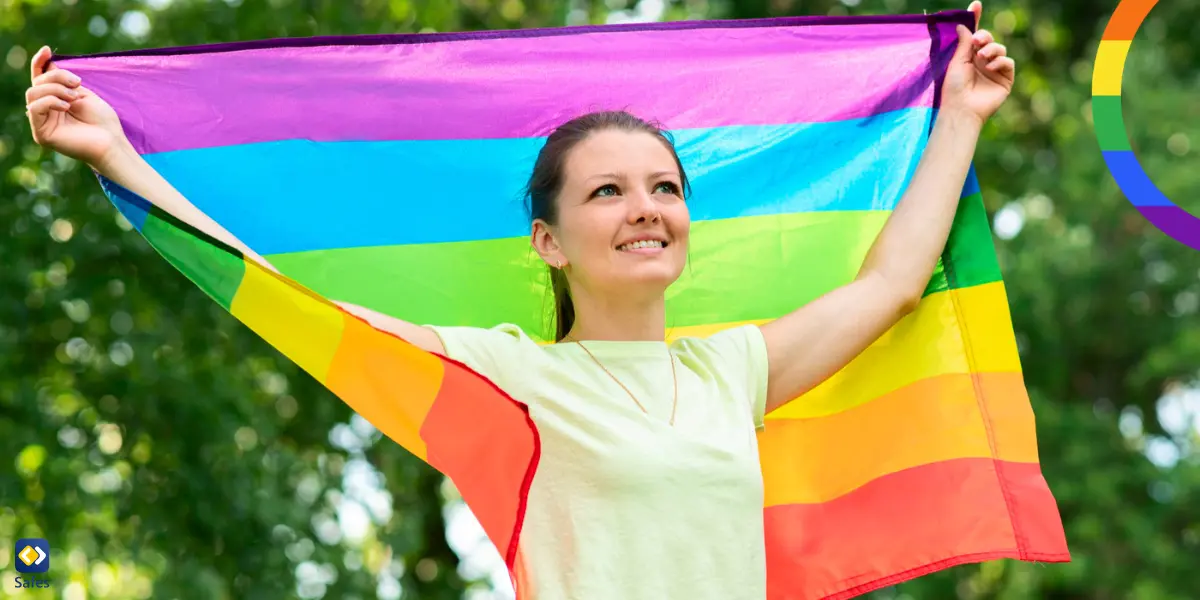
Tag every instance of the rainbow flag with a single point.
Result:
(386, 171)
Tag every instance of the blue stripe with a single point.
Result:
(297, 195)
(1133, 180)
(134, 208)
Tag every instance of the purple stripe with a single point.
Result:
(514, 84)
(1182, 226)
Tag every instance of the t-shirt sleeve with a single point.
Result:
(741, 353)
(503, 354)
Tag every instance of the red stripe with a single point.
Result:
(1035, 516)
(488, 445)
(911, 523)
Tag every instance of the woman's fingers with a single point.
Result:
(59, 76)
(983, 37)
(40, 109)
(40, 64)
(992, 51)
(37, 65)
(1003, 66)
(57, 90)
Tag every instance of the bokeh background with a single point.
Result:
(166, 452)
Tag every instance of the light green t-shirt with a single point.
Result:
(622, 505)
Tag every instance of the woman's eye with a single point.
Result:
(667, 187)
(606, 190)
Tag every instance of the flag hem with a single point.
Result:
(940, 565)
(948, 16)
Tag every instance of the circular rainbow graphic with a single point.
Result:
(1110, 127)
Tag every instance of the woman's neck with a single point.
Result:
(618, 320)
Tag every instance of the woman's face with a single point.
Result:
(623, 224)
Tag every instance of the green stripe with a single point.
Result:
(765, 267)
(1110, 123)
(970, 255)
(744, 263)
(937, 283)
(738, 270)
(215, 269)
(478, 283)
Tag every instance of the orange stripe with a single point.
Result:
(936, 419)
(911, 523)
(1127, 18)
(389, 382)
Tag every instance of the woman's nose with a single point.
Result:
(642, 208)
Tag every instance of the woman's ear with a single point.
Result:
(543, 242)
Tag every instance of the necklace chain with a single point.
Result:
(674, 382)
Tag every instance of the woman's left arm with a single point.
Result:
(810, 344)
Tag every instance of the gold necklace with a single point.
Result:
(674, 382)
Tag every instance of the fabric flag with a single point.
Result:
(387, 171)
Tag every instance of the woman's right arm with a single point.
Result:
(70, 119)
(416, 335)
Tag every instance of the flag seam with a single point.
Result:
(972, 366)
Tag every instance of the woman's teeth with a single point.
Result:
(641, 244)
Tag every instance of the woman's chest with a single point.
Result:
(619, 439)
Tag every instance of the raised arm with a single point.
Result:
(67, 117)
(810, 344)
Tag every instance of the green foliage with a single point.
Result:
(169, 452)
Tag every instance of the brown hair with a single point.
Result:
(547, 179)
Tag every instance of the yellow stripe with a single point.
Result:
(938, 419)
(302, 327)
(988, 328)
(1110, 63)
(924, 344)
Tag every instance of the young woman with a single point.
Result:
(649, 484)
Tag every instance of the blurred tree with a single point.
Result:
(168, 451)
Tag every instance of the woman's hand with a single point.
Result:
(980, 76)
(69, 118)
